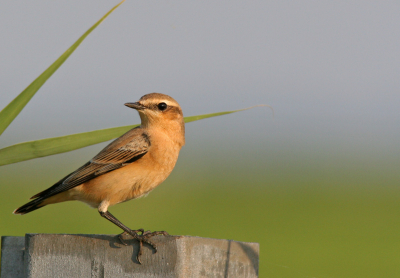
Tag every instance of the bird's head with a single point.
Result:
(158, 110)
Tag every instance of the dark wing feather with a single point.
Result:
(128, 148)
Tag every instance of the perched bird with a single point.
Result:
(128, 168)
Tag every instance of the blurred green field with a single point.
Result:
(313, 217)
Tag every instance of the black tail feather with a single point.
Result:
(28, 207)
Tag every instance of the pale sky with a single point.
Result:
(330, 69)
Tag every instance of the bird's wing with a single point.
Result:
(128, 148)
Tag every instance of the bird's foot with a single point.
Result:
(133, 233)
(142, 238)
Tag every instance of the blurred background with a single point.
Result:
(317, 185)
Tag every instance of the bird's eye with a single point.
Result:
(162, 106)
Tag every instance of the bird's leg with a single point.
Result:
(144, 237)
(107, 215)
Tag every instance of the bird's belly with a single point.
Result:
(129, 182)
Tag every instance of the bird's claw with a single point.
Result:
(142, 238)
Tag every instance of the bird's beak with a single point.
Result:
(135, 105)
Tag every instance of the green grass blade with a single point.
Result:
(11, 111)
(45, 147)
(205, 116)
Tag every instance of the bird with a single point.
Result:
(128, 168)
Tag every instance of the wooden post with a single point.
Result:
(96, 256)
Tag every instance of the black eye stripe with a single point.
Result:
(162, 106)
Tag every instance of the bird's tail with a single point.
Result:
(31, 206)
